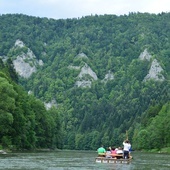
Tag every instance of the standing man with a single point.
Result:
(126, 149)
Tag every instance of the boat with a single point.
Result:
(112, 160)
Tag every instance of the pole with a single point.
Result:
(126, 135)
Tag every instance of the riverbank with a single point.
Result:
(162, 150)
(5, 151)
(165, 150)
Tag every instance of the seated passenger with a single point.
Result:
(113, 153)
(119, 152)
(101, 151)
(113, 150)
(108, 153)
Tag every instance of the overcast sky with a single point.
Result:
(58, 9)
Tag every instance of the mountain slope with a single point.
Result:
(134, 48)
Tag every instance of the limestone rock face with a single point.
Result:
(82, 55)
(19, 43)
(22, 68)
(155, 72)
(25, 63)
(50, 104)
(108, 76)
(74, 67)
(145, 55)
(83, 83)
(85, 77)
(86, 70)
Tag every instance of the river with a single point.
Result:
(79, 160)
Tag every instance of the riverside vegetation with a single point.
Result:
(93, 74)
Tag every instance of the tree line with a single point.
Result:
(24, 121)
(88, 117)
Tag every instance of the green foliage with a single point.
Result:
(6, 141)
(24, 121)
(86, 117)
(155, 134)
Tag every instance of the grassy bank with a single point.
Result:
(162, 150)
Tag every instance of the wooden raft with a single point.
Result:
(112, 160)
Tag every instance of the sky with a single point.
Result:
(62, 9)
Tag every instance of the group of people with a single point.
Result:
(116, 153)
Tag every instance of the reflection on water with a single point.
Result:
(79, 160)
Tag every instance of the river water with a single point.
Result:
(79, 160)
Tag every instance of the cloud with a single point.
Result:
(78, 8)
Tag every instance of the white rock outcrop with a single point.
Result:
(145, 55)
(74, 67)
(23, 68)
(86, 70)
(19, 43)
(155, 72)
(25, 63)
(83, 81)
(82, 55)
(50, 104)
(108, 76)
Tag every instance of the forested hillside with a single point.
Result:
(24, 121)
(104, 74)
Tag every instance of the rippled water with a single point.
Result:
(79, 160)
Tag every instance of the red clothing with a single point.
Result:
(113, 151)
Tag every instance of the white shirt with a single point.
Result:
(119, 151)
(126, 146)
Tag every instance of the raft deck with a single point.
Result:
(112, 160)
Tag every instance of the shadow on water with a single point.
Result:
(79, 160)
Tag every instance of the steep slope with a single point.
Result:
(78, 54)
